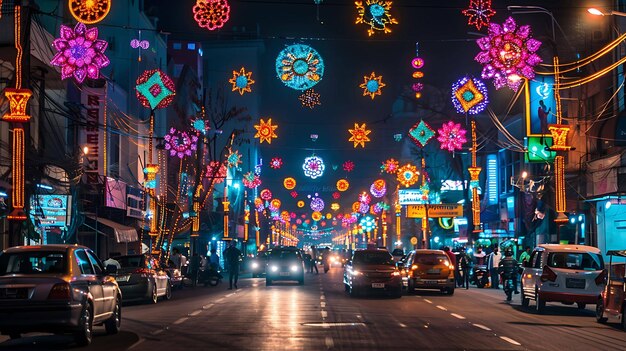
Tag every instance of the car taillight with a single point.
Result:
(414, 267)
(395, 274)
(601, 278)
(60, 291)
(547, 274)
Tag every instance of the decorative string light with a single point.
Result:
(155, 89)
(407, 175)
(310, 98)
(242, 81)
(299, 67)
(359, 135)
(251, 180)
(372, 85)
(211, 14)
(217, 171)
(417, 63)
(479, 13)
(89, 11)
(375, 14)
(469, 95)
(180, 143)
(265, 131)
(390, 166)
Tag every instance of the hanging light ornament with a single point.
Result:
(154, 89)
(378, 188)
(276, 163)
(180, 143)
(421, 133)
(300, 204)
(417, 63)
(375, 14)
(275, 203)
(363, 208)
(509, 54)
(139, 45)
(211, 14)
(251, 180)
(289, 183)
(342, 185)
(317, 204)
(316, 216)
(390, 166)
(359, 135)
(479, 13)
(313, 167)
(334, 206)
(217, 171)
(365, 198)
(407, 175)
(355, 206)
(451, 136)
(372, 85)
(469, 95)
(233, 159)
(294, 194)
(265, 131)
(80, 53)
(299, 67)
(242, 81)
(88, 11)
(336, 195)
(348, 166)
(310, 98)
(266, 194)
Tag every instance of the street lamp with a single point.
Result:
(594, 11)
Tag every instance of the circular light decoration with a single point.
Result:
(292, 215)
(451, 136)
(359, 135)
(479, 13)
(275, 203)
(180, 143)
(284, 215)
(300, 204)
(365, 198)
(329, 216)
(310, 98)
(336, 195)
(242, 81)
(200, 126)
(233, 159)
(251, 180)
(446, 223)
(469, 95)
(421, 133)
(313, 167)
(316, 216)
(294, 194)
(342, 185)
(299, 67)
(363, 208)
(89, 11)
(265, 131)
(407, 175)
(211, 14)
(348, 166)
(276, 163)
(80, 53)
(372, 85)
(216, 171)
(375, 14)
(378, 189)
(317, 204)
(289, 183)
(355, 206)
(266, 194)
(154, 89)
(390, 166)
(299, 221)
(508, 54)
(377, 208)
(334, 206)
(258, 202)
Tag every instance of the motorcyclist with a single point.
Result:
(509, 267)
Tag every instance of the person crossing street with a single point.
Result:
(232, 255)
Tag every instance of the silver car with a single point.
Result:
(57, 289)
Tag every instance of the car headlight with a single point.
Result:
(355, 273)
(274, 268)
(294, 268)
(395, 274)
(255, 265)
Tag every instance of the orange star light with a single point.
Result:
(265, 131)
(242, 81)
(359, 135)
(372, 85)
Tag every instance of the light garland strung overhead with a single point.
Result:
(451, 136)
(421, 133)
(375, 14)
(265, 131)
(242, 81)
(299, 67)
(390, 166)
(407, 175)
(310, 98)
(88, 11)
(313, 167)
(479, 13)
(469, 95)
(180, 143)
(372, 85)
(211, 14)
(359, 135)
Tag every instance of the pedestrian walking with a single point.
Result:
(492, 264)
(525, 256)
(314, 259)
(464, 265)
(307, 262)
(232, 256)
(451, 256)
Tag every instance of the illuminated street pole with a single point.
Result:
(474, 172)
(226, 203)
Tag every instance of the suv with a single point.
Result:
(372, 271)
(284, 263)
(430, 269)
(563, 273)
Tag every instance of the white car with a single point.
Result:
(570, 274)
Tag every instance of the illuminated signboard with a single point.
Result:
(492, 179)
(540, 105)
(411, 197)
(456, 185)
(51, 210)
(537, 150)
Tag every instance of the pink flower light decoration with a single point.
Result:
(215, 170)
(348, 166)
(276, 163)
(80, 53)
(508, 54)
(451, 136)
(251, 180)
(180, 143)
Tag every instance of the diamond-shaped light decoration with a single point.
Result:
(469, 95)
(155, 89)
(421, 133)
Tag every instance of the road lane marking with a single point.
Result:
(219, 300)
(322, 304)
(229, 295)
(442, 308)
(457, 316)
(510, 341)
(324, 314)
(322, 297)
(156, 332)
(180, 320)
(482, 327)
(402, 325)
(207, 306)
(427, 300)
(329, 342)
(359, 316)
(195, 313)
(139, 342)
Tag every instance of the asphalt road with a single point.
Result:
(320, 316)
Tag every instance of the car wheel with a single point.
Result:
(15, 336)
(168, 291)
(154, 296)
(600, 311)
(450, 291)
(411, 287)
(398, 293)
(112, 326)
(84, 335)
(540, 304)
(581, 305)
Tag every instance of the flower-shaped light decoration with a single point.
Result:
(421, 133)
(335, 206)
(294, 194)
(359, 135)
(300, 204)
(200, 125)
(233, 159)
(211, 14)
(375, 14)
(407, 175)
(378, 188)
(180, 143)
(242, 81)
(390, 166)
(216, 171)
(469, 95)
(348, 166)
(276, 163)
(451, 136)
(479, 13)
(342, 185)
(310, 98)
(363, 207)
(275, 203)
(376, 208)
(154, 89)
(355, 206)
(251, 180)
(508, 54)
(336, 195)
(299, 67)
(258, 202)
(316, 216)
(365, 198)
(88, 11)
(265, 131)
(289, 183)
(372, 85)
(80, 53)
(313, 167)
(266, 194)
(317, 204)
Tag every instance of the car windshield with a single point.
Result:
(130, 261)
(398, 252)
(376, 258)
(431, 259)
(576, 260)
(285, 255)
(33, 262)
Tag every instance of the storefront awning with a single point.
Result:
(122, 233)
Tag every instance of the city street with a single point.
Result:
(320, 316)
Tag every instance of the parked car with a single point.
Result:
(284, 263)
(57, 289)
(570, 274)
(397, 254)
(430, 269)
(372, 271)
(176, 277)
(611, 306)
(141, 278)
(257, 264)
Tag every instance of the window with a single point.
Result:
(33, 262)
(381, 258)
(575, 260)
(535, 259)
(191, 46)
(131, 261)
(83, 262)
(177, 46)
(95, 262)
(431, 259)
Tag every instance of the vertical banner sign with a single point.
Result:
(540, 105)
(92, 135)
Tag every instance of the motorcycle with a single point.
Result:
(480, 276)
(205, 276)
(508, 287)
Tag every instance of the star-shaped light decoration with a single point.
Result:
(375, 14)
(348, 166)
(276, 163)
(265, 131)
(421, 133)
(359, 135)
(251, 180)
(390, 166)
(180, 143)
(469, 95)
(451, 136)
(479, 13)
(310, 98)
(372, 85)
(200, 125)
(80, 53)
(242, 81)
(233, 159)
(216, 170)
(407, 175)
(508, 54)
(154, 89)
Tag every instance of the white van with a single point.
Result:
(570, 274)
